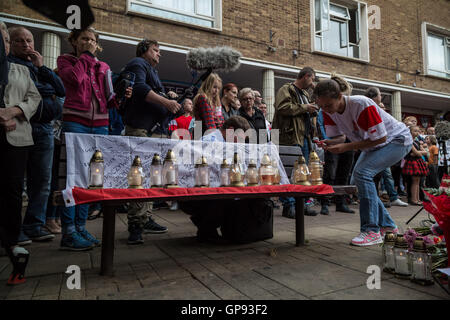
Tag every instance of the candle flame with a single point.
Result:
(419, 260)
(97, 170)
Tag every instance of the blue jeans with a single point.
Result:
(74, 218)
(389, 184)
(290, 201)
(39, 176)
(373, 214)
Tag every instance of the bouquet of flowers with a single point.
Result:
(438, 204)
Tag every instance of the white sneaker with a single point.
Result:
(399, 203)
(367, 239)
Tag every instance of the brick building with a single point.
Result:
(400, 46)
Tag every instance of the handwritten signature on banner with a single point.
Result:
(119, 152)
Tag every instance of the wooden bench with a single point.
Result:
(288, 156)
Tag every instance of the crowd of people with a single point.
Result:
(81, 95)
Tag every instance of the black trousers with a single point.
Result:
(13, 162)
(337, 171)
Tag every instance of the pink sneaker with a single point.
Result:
(384, 230)
(367, 239)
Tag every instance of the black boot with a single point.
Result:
(135, 236)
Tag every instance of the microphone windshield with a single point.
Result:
(217, 58)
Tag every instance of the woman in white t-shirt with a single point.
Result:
(382, 139)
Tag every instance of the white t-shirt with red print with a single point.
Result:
(363, 119)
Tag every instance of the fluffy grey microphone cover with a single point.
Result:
(218, 58)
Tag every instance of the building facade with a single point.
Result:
(400, 46)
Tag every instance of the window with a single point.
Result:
(203, 13)
(341, 28)
(438, 55)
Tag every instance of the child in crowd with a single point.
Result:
(415, 167)
(185, 123)
(432, 178)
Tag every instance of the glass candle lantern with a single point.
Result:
(224, 174)
(251, 176)
(388, 252)
(277, 175)
(294, 168)
(202, 173)
(301, 174)
(156, 172)
(96, 170)
(402, 258)
(236, 173)
(170, 171)
(136, 174)
(266, 172)
(316, 169)
(421, 263)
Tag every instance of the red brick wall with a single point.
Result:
(395, 48)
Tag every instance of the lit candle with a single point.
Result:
(170, 176)
(390, 258)
(156, 179)
(136, 178)
(204, 181)
(401, 264)
(97, 179)
(419, 269)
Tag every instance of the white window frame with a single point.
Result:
(215, 19)
(362, 32)
(428, 28)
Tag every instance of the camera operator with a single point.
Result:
(147, 114)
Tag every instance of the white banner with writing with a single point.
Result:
(119, 152)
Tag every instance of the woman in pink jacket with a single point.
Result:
(89, 94)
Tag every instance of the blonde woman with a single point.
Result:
(207, 104)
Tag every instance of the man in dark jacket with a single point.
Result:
(147, 114)
(40, 160)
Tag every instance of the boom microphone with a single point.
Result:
(218, 58)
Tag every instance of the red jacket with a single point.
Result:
(83, 76)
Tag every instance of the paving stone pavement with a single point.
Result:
(176, 266)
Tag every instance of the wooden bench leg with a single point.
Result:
(299, 221)
(109, 229)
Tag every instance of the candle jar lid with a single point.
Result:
(97, 156)
(202, 163)
(400, 242)
(265, 161)
(419, 245)
(390, 238)
(156, 160)
(137, 162)
(313, 157)
(301, 160)
(224, 164)
(170, 157)
(252, 164)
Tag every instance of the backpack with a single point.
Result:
(248, 220)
